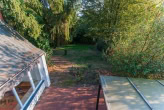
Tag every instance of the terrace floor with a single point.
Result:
(74, 98)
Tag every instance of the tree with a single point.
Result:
(15, 13)
(132, 31)
(40, 25)
(29, 20)
(61, 19)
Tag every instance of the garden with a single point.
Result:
(85, 39)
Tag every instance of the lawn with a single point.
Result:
(81, 65)
(82, 55)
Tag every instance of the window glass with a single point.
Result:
(9, 102)
(35, 75)
(24, 89)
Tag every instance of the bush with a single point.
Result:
(83, 39)
(131, 34)
(79, 34)
(102, 45)
(43, 43)
(85, 75)
(142, 53)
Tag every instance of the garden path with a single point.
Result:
(65, 93)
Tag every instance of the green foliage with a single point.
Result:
(39, 25)
(85, 75)
(101, 45)
(142, 53)
(61, 18)
(77, 47)
(80, 32)
(15, 15)
(28, 19)
(132, 32)
(44, 44)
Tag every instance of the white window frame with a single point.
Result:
(44, 70)
(17, 97)
(31, 80)
(37, 90)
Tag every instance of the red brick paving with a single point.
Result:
(74, 98)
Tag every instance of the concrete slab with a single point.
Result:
(152, 90)
(120, 95)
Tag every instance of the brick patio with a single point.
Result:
(74, 98)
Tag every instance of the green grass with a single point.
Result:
(75, 47)
(85, 60)
(89, 58)
(69, 82)
(82, 55)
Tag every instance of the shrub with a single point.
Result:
(85, 75)
(43, 43)
(101, 45)
(142, 53)
(131, 33)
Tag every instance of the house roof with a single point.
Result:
(17, 55)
